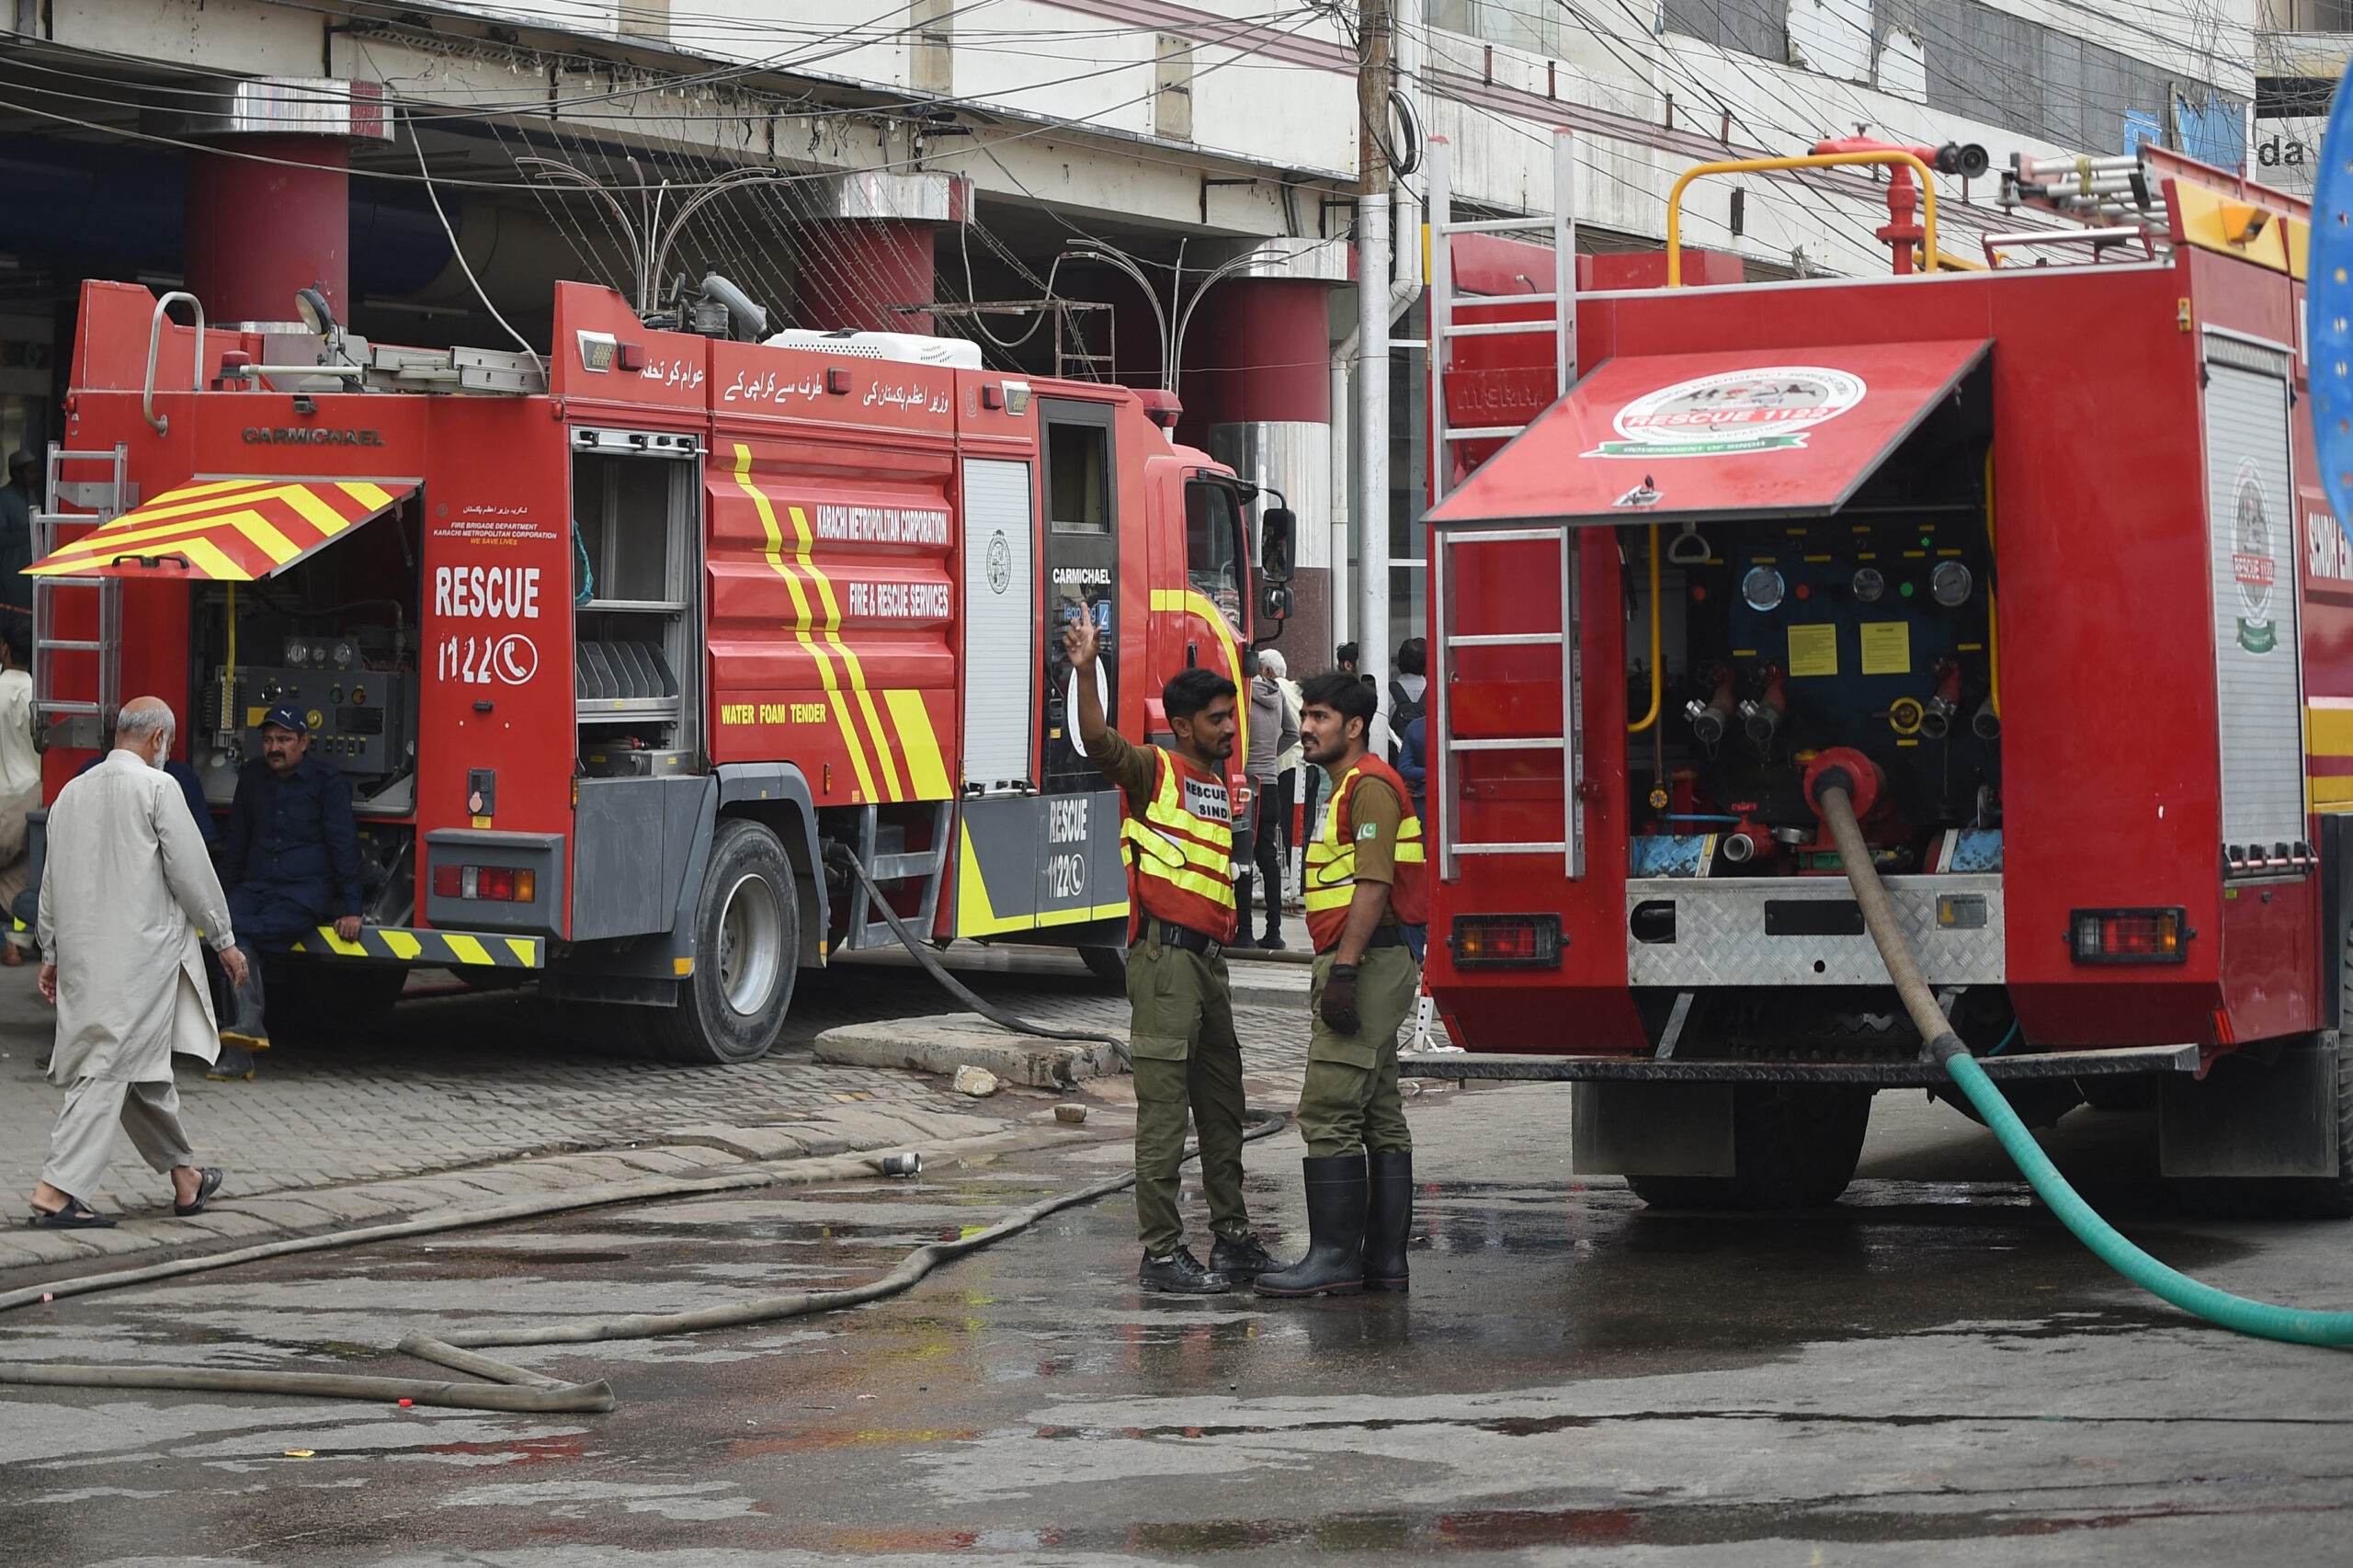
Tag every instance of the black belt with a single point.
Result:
(1175, 935)
(1383, 937)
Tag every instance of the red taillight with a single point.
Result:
(1506, 941)
(505, 884)
(2128, 935)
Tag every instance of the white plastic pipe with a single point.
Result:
(1372, 427)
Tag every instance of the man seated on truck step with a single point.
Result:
(292, 864)
(1177, 836)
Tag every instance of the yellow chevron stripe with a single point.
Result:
(1193, 603)
(403, 945)
(465, 948)
(523, 949)
(372, 496)
(336, 944)
(926, 768)
(158, 522)
(849, 659)
(265, 536)
(800, 609)
(213, 562)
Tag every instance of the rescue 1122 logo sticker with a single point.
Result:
(1769, 409)
(2255, 562)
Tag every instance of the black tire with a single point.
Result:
(1794, 1146)
(1109, 965)
(747, 953)
(2331, 1197)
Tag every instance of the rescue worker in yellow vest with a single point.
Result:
(1177, 836)
(1364, 887)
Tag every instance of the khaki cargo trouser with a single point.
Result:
(1182, 1039)
(1349, 1102)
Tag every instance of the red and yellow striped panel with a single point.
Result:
(226, 530)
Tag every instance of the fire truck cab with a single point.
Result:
(617, 647)
(2035, 552)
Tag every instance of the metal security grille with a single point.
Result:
(2252, 540)
(1000, 624)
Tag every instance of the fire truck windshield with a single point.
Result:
(1213, 549)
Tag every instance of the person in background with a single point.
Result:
(1274, 727)
(1408, 688)
(19, 778)
(1288, 761)
(125, 892)
(1413, 766)
(17, 501)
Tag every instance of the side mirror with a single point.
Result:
(1275, 605)
(1276, 528)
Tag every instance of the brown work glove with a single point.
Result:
(1339, 1008)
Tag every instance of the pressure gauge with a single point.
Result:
(1949, 584)
(1762, 588)
(344, 655)
(1869, 584)
(297, 653)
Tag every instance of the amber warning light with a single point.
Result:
(503, 883)
(2128, 935)
(1506, 941)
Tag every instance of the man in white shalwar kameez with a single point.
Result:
(125, 889)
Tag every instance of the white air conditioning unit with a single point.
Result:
(913, 348)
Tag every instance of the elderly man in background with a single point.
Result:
(126, 888)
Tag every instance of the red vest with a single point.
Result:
(1179, 850)
(1331, 859)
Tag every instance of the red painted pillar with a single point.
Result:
(850, 271)
(1257, 391)
(258, 230)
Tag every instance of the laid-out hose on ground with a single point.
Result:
(2260, 1319)
(842, 857)
(517, 1389)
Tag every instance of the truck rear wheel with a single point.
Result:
(748, 952)
(1794, 1146)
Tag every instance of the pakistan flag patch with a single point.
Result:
(1369, 830)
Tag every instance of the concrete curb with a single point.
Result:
(447, 1198)
(942, 1044)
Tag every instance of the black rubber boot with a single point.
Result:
(1242, 887)
(1335, 1262)
(1274, 938)
(1388, 1220)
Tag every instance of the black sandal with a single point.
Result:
(75, 1216)
(208, 1182)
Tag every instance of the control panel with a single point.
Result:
(361, 720)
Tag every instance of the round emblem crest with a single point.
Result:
(1000, 563)
(1762, 410)
(2254, 561)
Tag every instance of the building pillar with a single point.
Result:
(872, 249)
(1260, 356)
(269, 210)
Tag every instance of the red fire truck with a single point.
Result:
(617, 647)
(2034, 550)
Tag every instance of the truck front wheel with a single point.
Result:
(1794, 1146)
(748, 952)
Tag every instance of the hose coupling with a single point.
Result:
(1947, 1046)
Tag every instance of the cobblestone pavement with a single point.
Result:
(453, 1080)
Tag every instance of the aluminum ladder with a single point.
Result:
(867, 931)
(1446, 332)
(78, 723)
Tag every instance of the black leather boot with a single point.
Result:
(1242, 890)
(1335, 1262)
(1388, 1220)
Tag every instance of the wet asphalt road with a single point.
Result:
(1930, 1372)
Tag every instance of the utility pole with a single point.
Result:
(1373, 83)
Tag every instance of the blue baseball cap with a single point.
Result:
(288, 718)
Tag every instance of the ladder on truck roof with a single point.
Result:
(1447, 641)
(1446, 332)
(78, 723)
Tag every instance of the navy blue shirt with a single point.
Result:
(293, 855)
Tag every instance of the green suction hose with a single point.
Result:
(1831, 791)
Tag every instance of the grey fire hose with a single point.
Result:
(841, 855)
(2259, 1318)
